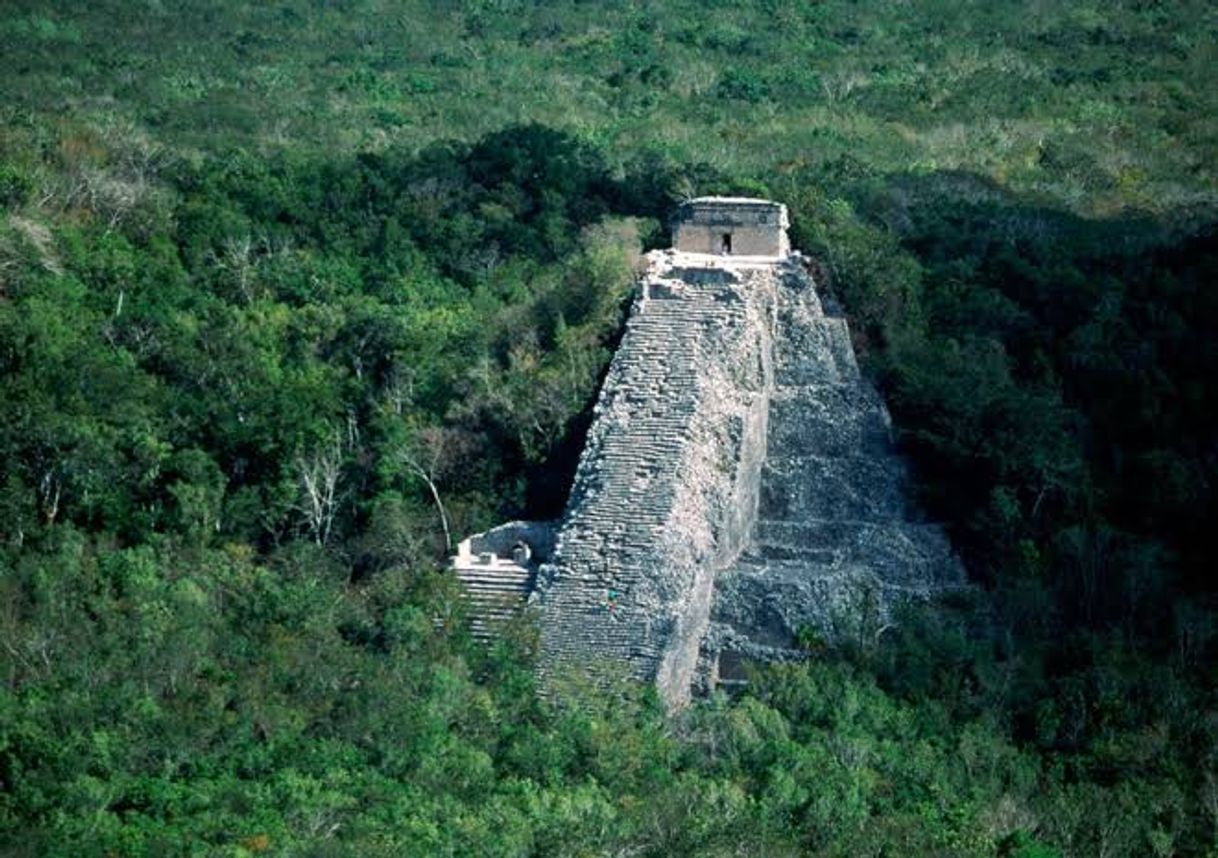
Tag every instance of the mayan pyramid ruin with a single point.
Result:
(738, 488)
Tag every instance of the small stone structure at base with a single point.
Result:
(738, 484)
(499, 568)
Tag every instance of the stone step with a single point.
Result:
(485, 616)
(896, 552)
(494, 575)
(496, 597)
(495, 606)
(495, 585)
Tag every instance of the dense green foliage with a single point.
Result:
(270, 275)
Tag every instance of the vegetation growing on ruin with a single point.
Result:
(265, 272)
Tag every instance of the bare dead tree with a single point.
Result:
(50, 488)
(399, 390)
(237, 259)
(433, 450)
(320, 475)
(839, 84)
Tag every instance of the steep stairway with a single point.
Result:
(599, 594)
(495, 592)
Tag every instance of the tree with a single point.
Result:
(320, 474)
(431, 452)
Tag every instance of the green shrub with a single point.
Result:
(15, 187)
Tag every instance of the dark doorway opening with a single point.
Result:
(725, 246)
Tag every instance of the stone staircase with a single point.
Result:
(494, 594)
(601, 599)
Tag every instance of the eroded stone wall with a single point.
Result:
(836, 545)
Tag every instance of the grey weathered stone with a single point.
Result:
(836, 545)
(738, 484)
